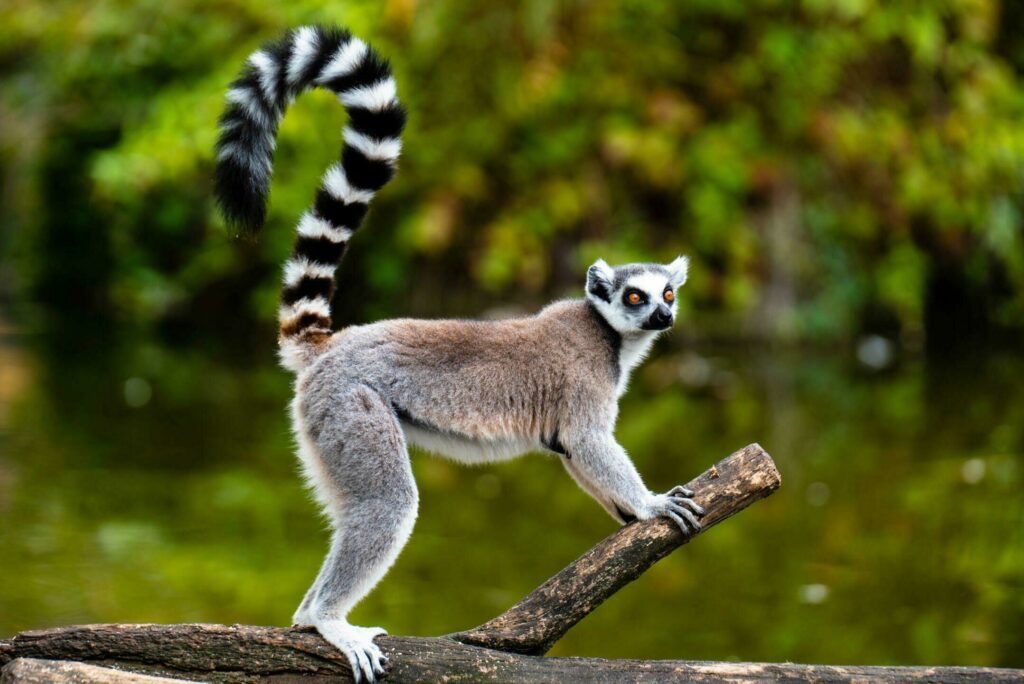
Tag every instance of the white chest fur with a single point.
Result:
(634, 349)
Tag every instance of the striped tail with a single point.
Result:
(271, 79)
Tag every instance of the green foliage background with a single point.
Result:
(833, 167)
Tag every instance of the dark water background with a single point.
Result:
(142, 483)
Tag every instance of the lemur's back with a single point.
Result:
(517, 379)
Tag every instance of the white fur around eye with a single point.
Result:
(653, 284)
(614, 314)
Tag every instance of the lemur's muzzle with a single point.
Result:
(660, 319)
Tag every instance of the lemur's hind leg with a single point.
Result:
(360, 469)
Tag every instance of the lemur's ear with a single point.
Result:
(677, 271)
(600, 277)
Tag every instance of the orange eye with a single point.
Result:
(669, 295)
(633, 298)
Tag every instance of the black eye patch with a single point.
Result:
(634, 297)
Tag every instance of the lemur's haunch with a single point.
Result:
(472, 391)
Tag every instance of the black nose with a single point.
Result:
(660, 319)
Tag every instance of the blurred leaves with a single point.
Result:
(545, 134)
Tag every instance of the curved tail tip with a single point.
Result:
(242, 205)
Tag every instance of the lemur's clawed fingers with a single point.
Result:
(681, 491)
(377, 658)
(365, 657)
(678, 508)
(376, 664)
(364, 665)
(374, 656)
(683, 496)
(690, 504)
(680, 522)
(686, 515)
(353, 659)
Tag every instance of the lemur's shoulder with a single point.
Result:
(583, 332)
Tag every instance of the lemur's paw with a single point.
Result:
(678, 506)
(356, 643)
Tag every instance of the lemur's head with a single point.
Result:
(636, 297)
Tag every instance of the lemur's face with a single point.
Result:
(636, 297)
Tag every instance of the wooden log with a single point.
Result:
(239, 653)
(34, 671)
(533, 625)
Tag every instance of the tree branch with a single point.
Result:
(242, 654)
(533, 625)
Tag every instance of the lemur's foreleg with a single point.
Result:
(363, 476)
(602, 467)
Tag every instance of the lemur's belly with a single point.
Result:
(466, 449)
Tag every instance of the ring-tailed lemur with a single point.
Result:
(472, 391)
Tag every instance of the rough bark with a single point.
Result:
(500, 650)
(35, 671)
(241, 653)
